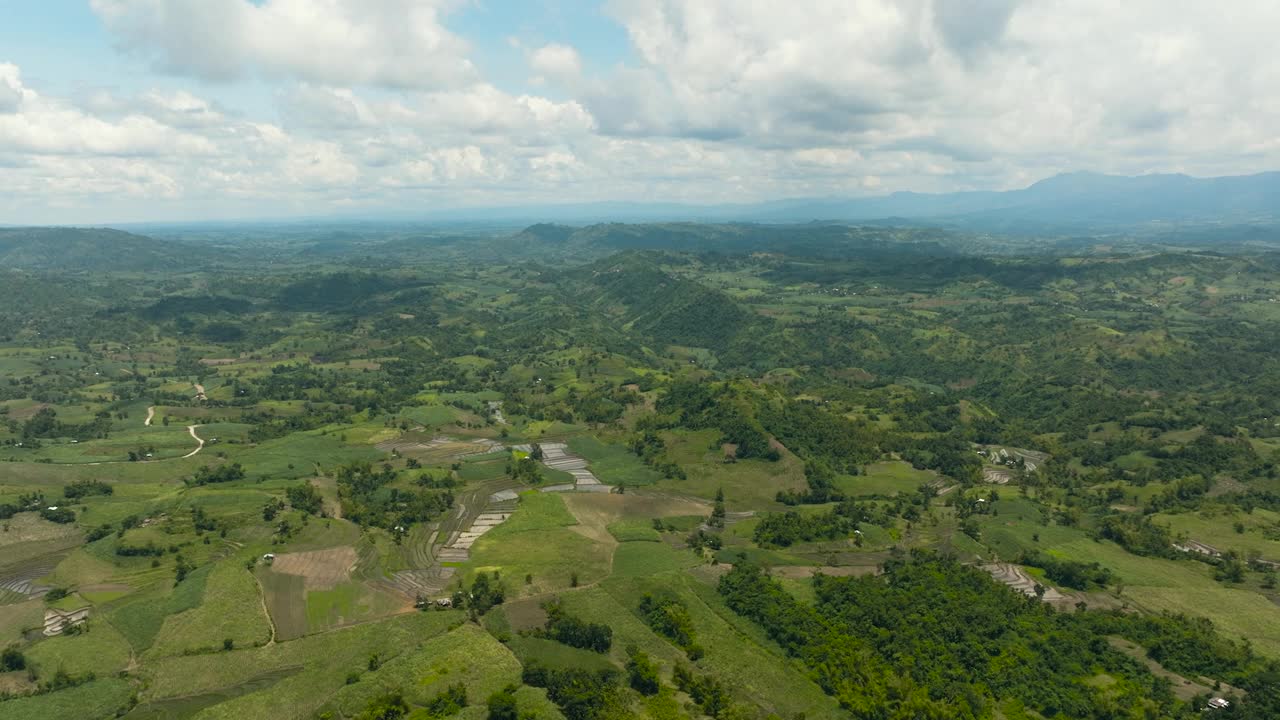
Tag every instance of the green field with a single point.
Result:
(230, 608)
(613, 464)
(885, 478)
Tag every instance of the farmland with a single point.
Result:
(393, 495)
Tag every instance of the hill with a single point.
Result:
(643, 299)
(85, 249)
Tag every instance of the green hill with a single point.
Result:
(91, 249)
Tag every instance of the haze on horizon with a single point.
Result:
(147, 110)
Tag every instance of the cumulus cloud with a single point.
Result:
(555, 63)
(1041, 84)
(10, 88)
(378, 105)
(388, 43)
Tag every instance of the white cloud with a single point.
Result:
(11, 92)
(49, 126)
(556, 63)
(380, 106)
(1038, 84)
(388, 43)
(324, 107)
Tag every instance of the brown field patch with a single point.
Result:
(319, 569)
(328, 489)
(802, 572)
(1224, 485)
(27, 412)
(29, 527)
(595, 511)
(526, 614)
(15, 682)
(218, 361)
(856, 374)
(603, 508)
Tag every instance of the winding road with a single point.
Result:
(151, 413)
(192, 429)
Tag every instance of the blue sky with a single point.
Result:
(136, 110)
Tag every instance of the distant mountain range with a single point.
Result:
(1070, 202)
(1064, 211)
(1064, 204)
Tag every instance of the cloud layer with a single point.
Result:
(379, 105)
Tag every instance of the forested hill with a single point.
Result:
(98, 249)
(644, 299)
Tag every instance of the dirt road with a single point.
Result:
(151, 413)
(192, 429)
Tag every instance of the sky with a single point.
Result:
(180, 110)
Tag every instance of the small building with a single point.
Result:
(1219, 703)
(269, 557)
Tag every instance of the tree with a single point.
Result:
(306, 498)
(386, 707)
(717, 512)
(502, 704)
(450, 701)
(642, 673)
(12, 659)
(181, 569)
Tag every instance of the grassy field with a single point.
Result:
(15, 617)
(537, 540)
(102, 650)
(613, 464)
(634, 559)
(323, 662)
(633, 531)
(885, 478)
(230, 608)
(101, 698)
(467, 655)
(1218, 528)
(348, 603)
(747, 484)
(474, 471)
(140, 619)
(286, 601)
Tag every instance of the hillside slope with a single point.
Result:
(88, 249)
